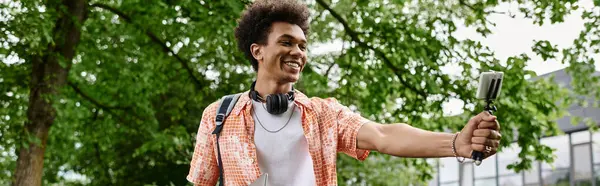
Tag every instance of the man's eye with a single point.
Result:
(302, 47)
(286, 43)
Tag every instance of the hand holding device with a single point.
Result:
(490, 84)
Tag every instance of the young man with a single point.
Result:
(277, 130)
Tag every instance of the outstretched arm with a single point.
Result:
(407, 141)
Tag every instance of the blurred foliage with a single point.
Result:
(144, 71)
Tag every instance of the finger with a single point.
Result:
(488, 133)
(485, 141)
(488, 125)
(482, 133)
(485, 116)
(479, 140)
(478, 147)
(496, 135)
(497, 125)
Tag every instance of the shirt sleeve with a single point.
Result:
(203, 166)
(348, 125)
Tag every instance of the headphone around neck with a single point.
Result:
(276, 103)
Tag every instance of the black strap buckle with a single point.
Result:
(219, 118)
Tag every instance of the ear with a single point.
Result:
(256, 51)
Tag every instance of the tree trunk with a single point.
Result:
(47, 77)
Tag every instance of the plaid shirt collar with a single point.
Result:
(245, 102)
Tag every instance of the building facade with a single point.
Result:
(577, 161)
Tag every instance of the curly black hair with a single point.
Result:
(255, 23)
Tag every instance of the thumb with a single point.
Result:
(472, 124)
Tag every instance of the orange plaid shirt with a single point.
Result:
(329, 128)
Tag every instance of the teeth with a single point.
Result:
(295, 65)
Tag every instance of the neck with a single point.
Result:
(265, 87)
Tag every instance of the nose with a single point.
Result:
(296, 51)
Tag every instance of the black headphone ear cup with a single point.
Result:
(277, 104)
(269, 104)
(283, 103)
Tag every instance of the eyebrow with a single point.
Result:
(287, 36)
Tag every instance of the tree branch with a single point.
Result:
(355, 37)
(103, 106)
(184, 63)
(462, 2)
(94, 101)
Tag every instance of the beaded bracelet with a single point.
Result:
(454, 149)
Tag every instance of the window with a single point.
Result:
(596, 147)
(580, 137)
(448, 172)
(508, 156)
(485, 174)
(434, 164)
(485, 181)
(532, 176)
(596, 156)
(559, 175)
(434, 181)
(597, 173)
(487, 168)
(467, 174)
(582, 164)
(582, 158)
(561, 146)
(450, 184)
(511, 180)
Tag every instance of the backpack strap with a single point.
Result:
(225, 107)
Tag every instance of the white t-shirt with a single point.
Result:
(284, 154)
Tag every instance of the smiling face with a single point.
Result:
(283, 57)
